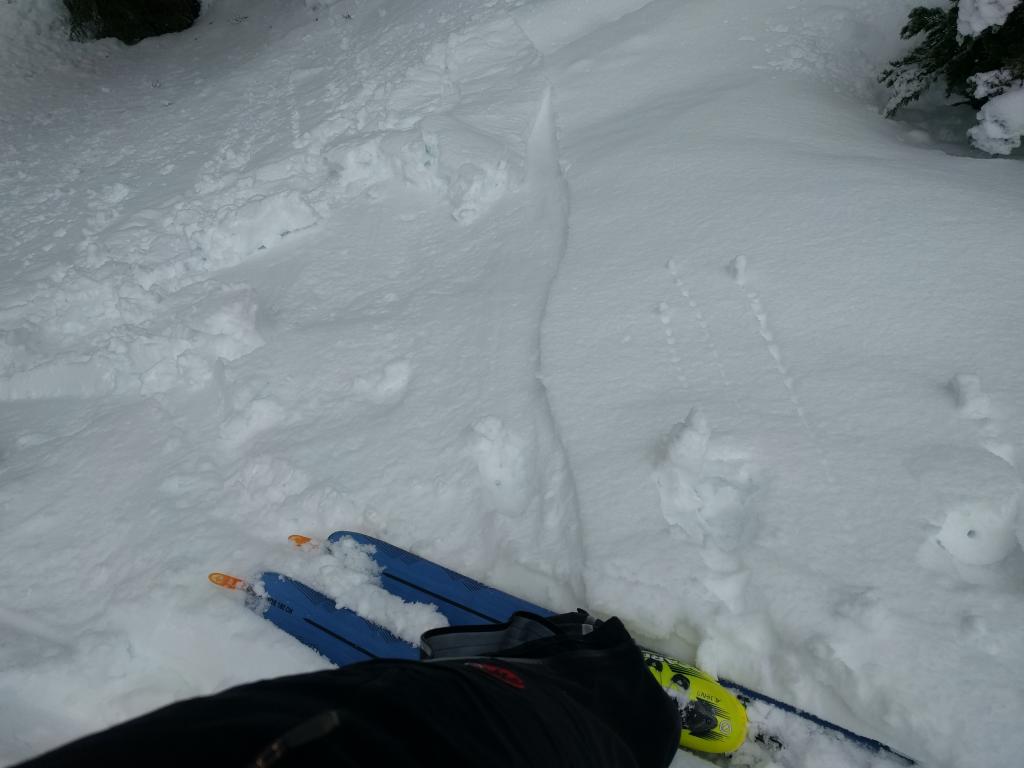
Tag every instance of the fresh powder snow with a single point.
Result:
(638, 305)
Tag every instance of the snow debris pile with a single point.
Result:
(347, 572)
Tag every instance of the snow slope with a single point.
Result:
(638, 305)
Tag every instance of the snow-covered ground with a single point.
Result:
(634, 305)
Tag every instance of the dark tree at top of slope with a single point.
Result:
(129, 20)
(945, 54)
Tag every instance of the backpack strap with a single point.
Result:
(493, 639)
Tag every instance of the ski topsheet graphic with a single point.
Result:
(344, 637)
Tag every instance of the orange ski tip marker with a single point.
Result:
(227, 581)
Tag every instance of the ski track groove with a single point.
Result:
(547, 410)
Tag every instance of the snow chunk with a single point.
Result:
(87, 333)
(976, 498)
(456, 126)
(346, 572)
(704, 488)
(993, 82)
(442, 155)
(975, 16)
(1000, 124)
(979, 532)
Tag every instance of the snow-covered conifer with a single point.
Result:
(976, 48)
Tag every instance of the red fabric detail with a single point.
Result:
(507, 676)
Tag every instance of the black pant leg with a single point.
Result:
(385, 712)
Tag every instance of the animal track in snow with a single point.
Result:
(387, 386)
(261, 414)
(738, 270)
(280, 498)
(665, 314)
(266, 481)
(709, 342)
(975, 405)
(502, 458)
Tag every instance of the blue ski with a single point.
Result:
(460, 599)
(344, 637)
(463, 600)
(341, 635)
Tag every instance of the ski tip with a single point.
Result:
(303, 542)
(227, 581)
